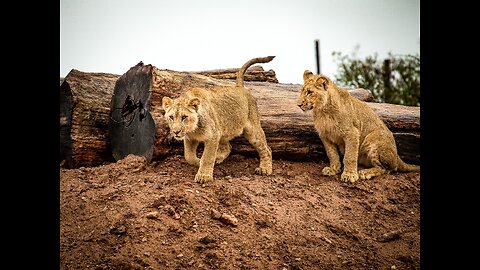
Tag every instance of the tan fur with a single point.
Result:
(214, 117)
(349, 126)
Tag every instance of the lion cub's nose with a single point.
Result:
(176, 132)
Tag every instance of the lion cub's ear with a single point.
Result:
(322, 82)
(307, 74)
(166, 102)
(193, 103)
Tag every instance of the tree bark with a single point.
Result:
(84, 110)
(289, 131)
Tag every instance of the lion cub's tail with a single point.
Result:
(250, 62)
(405, 167)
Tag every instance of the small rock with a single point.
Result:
(170, 210)
(118, 230)
(207, 240)
(327, 240)
(216, 214)
(180, 255)
(225, 218)
(393, 267)
(389, 236)
(152, 215)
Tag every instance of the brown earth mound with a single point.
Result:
(128, 215)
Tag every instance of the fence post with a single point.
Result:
(387, 73)
(317, 54)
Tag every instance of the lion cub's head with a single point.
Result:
(181, 115)
(314, 91)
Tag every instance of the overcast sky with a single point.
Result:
(186, 35)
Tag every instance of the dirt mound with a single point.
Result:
(130, 215)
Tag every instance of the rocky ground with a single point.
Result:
(129, 215)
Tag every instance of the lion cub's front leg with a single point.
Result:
(190, 152)
(350, 160)
(207, 162)
(333, 157)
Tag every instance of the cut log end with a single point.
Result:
(132, 128)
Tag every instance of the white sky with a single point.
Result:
(186, 35)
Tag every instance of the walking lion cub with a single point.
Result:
(349, 126)
(214, 117)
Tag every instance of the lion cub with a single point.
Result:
(214, 117)
(350, 126)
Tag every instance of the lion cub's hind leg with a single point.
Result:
(255, 135)
(223, 151)
(377, 154)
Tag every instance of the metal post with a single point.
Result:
(317, 54)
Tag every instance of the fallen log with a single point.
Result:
(137, 125)
(85, 99)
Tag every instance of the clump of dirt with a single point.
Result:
(133, 215)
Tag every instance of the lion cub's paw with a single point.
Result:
(330, 171)
(364, 175)
(203, 178)
(349, 177)
(263, 171)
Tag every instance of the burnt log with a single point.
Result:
(137, 125)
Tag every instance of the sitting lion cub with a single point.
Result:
(214, 117)
(350, 126)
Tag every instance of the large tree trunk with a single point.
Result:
(137, 125)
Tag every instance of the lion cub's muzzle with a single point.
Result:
(178, 135)
(305, 107)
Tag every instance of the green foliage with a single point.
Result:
(395, 79)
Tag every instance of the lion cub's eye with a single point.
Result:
(308, 93)
(171, 117)
(184, 117)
